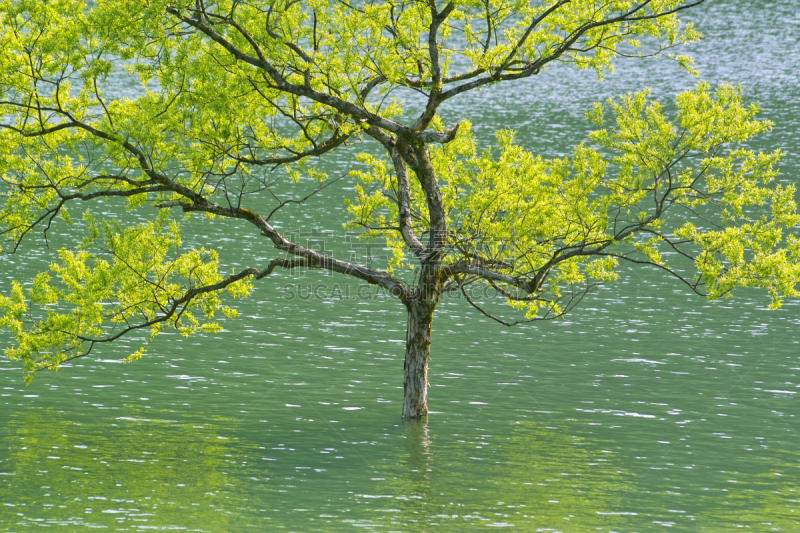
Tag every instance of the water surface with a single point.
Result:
(647, 408)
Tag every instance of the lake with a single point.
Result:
(647, 408)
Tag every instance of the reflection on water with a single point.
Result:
(144, 471)
(541, 470)
(419, 463)
(533, 476)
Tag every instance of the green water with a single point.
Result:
(647, 408)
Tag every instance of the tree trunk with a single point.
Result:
(418, 350)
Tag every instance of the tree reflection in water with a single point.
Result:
(149, 472)
(58, 469)
(542, 478)
(539, 477)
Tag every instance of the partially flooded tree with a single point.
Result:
(220, 108)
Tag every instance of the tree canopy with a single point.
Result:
(213, 107)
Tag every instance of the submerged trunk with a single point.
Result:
(418, 350)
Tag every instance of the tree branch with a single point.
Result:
(313, 258)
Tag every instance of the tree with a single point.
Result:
(230, 92)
